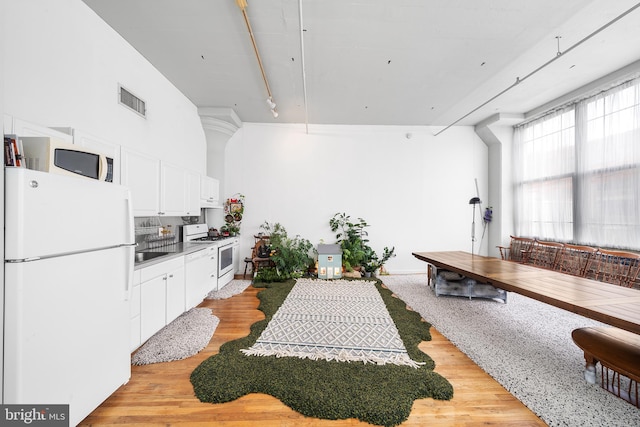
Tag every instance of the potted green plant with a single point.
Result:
(290, 255)
(374, 262)
(233, 228)
(351, 235)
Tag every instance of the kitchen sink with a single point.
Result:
(146, 256)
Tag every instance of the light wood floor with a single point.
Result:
(161, 394)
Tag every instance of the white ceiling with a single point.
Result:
(380, 62)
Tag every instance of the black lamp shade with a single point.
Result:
(475, 201)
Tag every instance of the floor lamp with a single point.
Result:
(474, 201)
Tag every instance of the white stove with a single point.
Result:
(228, 249)
(199, 233)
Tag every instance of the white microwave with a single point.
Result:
(52, 155)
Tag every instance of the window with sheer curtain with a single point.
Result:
(577, 172)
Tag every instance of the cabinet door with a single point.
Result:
(212, 277)
(101, 146)
(175, 294)
(172, 185)
(24, 128)
(8, 124)
(153, 300)
(236, 256)
(209, 191)
(193, 193)
(141, 173)
(134, 314)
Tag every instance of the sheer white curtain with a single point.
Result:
(609, 168)
(544, 166)
(577, 172)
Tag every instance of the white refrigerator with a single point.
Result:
(69, 253)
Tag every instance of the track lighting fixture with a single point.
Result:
(242, 4)
(272, 105)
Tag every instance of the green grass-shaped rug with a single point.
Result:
(377, 394)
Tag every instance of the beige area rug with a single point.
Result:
(341, 320)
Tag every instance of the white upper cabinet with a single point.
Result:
(8, 124)
(159, 188)
(141, 173)
(209, 192)
(172, 190)
(193, 193)
(101, 146)
(24, 128)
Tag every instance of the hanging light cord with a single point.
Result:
(558, 56)
(304, 77)
(242, 4)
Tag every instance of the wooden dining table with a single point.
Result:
(611, 304)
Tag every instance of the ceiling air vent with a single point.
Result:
(128, 99)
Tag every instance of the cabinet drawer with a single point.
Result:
(160, 269)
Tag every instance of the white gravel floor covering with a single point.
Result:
(182, 338)
(526, 346)
(235, 287)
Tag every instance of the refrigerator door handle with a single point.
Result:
(128, 283)
(128, 286)
(35, 258)
(130, 221)
(61, 254)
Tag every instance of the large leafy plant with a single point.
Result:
(375, 262)
(356, 252)
(352, 237)
(290, 255)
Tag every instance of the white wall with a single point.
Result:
(62, 66)
(413, 192)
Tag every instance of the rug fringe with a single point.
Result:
(400, 359)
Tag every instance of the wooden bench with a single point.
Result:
(546, 254)
(617, 267)
(610, 266)
(617, 351)
(576, 259)
(518, 249)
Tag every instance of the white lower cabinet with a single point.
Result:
(134, 314)
(212, 274)
(201, 275)
(175, 293)
(161, 295)
(153, 300)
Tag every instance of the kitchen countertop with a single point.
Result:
(175, 250)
